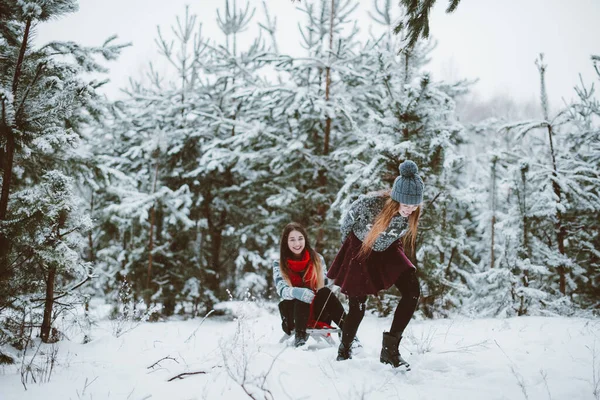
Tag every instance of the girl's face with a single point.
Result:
(406, 209)
(296, 242)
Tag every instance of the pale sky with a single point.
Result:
(496, 41)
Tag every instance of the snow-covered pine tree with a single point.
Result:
(315, 113)
(44, 104)
(506, 278)
(145, 204)
(138, 213)
(49, 237)
(238, 116)
(500, 203)
(213, 118)
(582, 191)
(544, 207)
(520, 277)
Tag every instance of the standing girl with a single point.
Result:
(299, 277)
(375, 232)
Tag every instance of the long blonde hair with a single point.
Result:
(312, 275)
(382, 221)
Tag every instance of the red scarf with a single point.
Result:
(299, 268)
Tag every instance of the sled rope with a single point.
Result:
(325, 304)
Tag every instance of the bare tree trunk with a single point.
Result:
(151, 243)
(493, 244)
(17, 75)
(328, 80)
(558, 224)
(50, 282)
(48, 305)
(9, 152)
(217, 241)
(7, 177)
(524, 170)
(444, 224)
(322, 209)
(525, 277)
(407, 53)
(214, 230)
(10, 139)
(560, 230)
(90, 238)
(6, 180)
(447, 272)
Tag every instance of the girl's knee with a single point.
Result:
(409, 286)
(322, 296)
(325, 290)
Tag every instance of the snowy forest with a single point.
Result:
(171, 200)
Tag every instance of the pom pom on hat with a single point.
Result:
(408, 187)
(408, 169)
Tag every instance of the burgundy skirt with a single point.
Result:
(360, 277)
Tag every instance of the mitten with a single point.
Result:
(304, 295)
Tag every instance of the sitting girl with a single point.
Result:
(299, 277)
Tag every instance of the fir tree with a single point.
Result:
(547, 194)
(45, 103)
(209, 119)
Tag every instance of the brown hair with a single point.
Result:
(382, 221)
(315, 275)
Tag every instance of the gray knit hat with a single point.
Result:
(408, 187)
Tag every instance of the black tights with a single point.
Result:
(326, 308)
(408, 284)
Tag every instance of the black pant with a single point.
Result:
(408, 284)
(326, 308)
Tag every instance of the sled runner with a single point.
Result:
(320, 331)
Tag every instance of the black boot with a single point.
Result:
(344, 352)
(286, 309)
(356, 344)
(301, 313)
(301, 338)
(389, 351)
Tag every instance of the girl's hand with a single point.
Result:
(303, 294)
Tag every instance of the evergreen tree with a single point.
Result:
(580, 151)
(548, 194)
(316, 113)
(208, 227)
(45, 102)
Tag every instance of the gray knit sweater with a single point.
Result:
(361, 216)
(283, 289)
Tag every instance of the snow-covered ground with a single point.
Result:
(460, 358)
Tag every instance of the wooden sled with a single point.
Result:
(319, 334)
